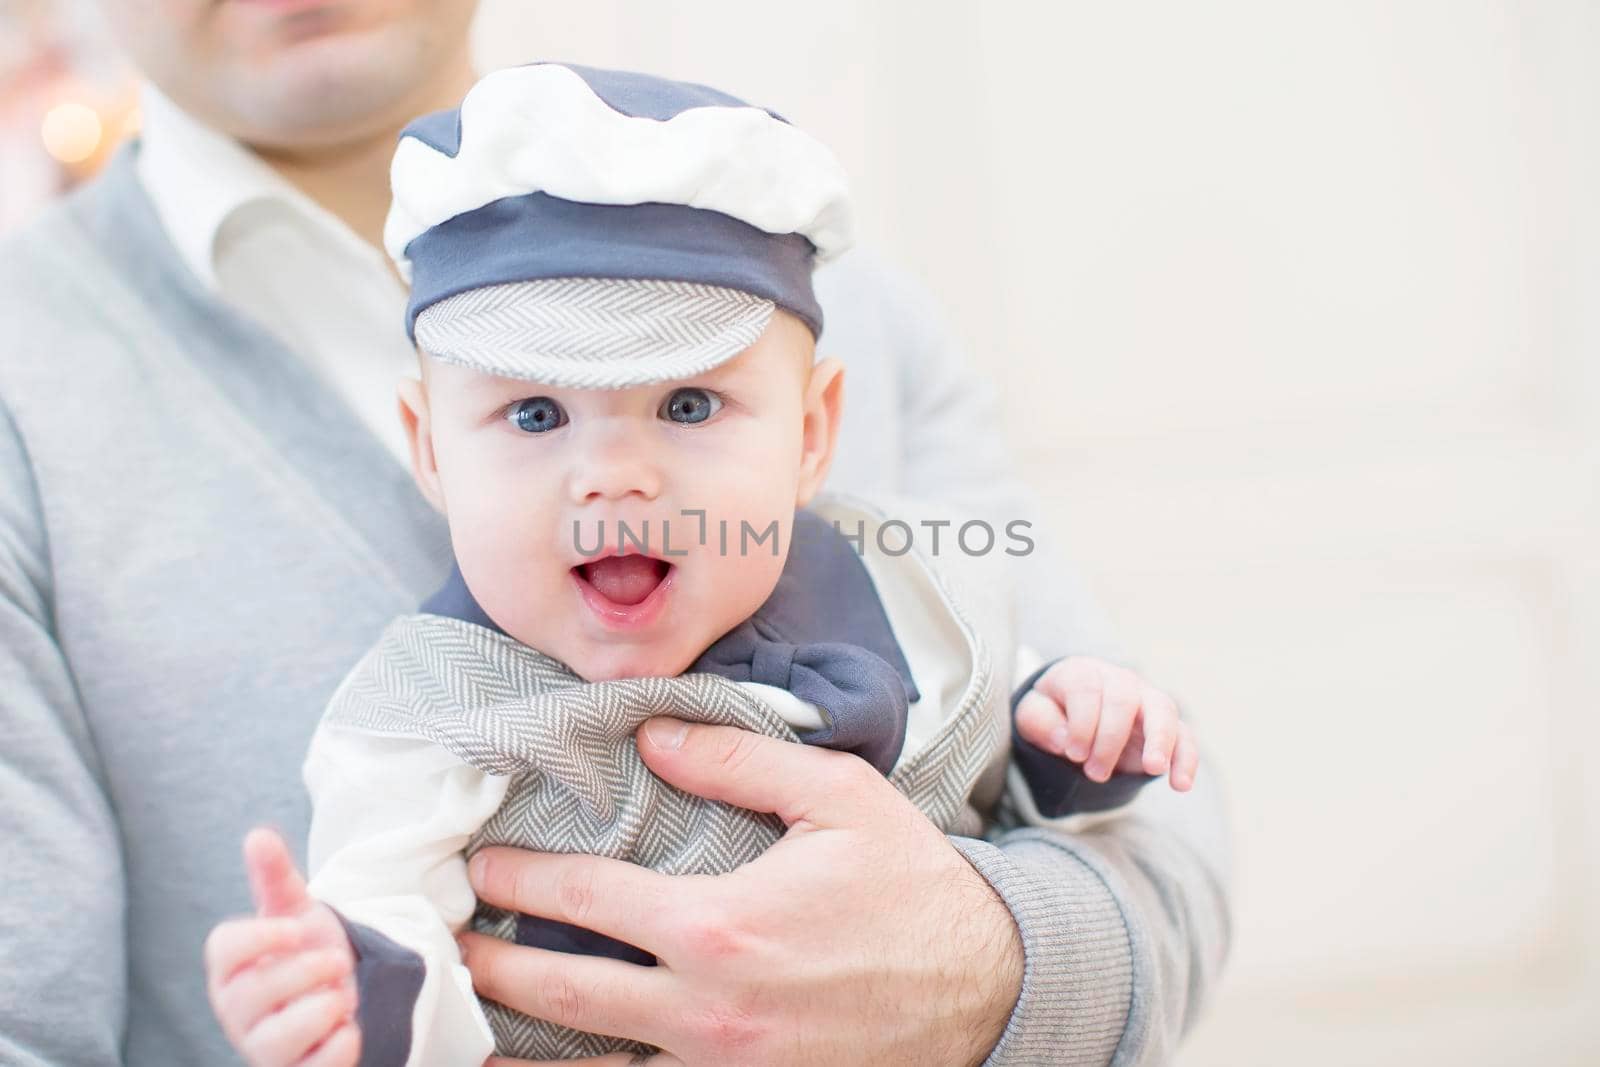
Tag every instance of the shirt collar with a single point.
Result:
(199, 178)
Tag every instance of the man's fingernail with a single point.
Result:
(666, 733)
(461, 946)
(1058, 740)
(476, 868)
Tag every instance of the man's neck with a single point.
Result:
(350, 179)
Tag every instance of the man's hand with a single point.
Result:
(1108, 719)
(861, 936)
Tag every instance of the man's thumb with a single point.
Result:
(275, 883)
(798, 783)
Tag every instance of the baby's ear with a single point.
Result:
(824, 404)
(414, 416)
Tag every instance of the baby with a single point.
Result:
(622, 415)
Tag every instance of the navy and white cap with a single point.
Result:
(599, 229)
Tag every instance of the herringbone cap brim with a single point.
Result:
(593, 333)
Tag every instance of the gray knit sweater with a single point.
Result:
(198, 539)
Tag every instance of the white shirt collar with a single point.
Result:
(199, 178)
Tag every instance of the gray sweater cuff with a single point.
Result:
(1077, 977)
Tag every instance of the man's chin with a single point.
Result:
(298, 104)
(325, 88)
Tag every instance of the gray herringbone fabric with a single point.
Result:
(593, 333)
(578, 784)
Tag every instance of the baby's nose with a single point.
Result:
(617, 468)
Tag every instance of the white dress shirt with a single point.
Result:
(293, 267)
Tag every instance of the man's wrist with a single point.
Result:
(1003, 983)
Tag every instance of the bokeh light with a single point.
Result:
(71, 132)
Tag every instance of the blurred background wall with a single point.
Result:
(1294, 307)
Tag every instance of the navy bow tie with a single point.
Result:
(863, 699)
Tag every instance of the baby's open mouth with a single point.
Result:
(624, 580)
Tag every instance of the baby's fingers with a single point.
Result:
(1074, 685)
(342, 1048)
(1160, 728)
(237, 943)
(1041, 722)
(275, 881)
(285, 1036)
(256, 992)
(1119, 708)
(1185, 760)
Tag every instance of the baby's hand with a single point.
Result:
(1108, 719)
(282, 983)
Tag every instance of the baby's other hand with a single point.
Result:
(1108, 719)
(282, 983)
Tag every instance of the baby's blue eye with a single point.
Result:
(536, 414)
(691, 405)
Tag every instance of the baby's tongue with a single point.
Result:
(624, 579)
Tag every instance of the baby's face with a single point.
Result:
(534, 480)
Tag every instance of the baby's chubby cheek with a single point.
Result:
(735, 586)
(512, 563)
